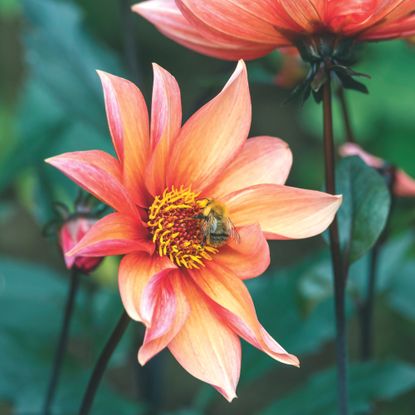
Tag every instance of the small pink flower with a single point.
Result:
(70, 233)
(404, 185)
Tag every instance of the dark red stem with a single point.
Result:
(336, 258)
(102, 363)
(62, 342)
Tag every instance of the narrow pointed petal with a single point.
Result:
(305, 13)
(166, 309)
(368, 17)
(115, 234)
(235, 305)
(400, 28)
(283, 212)
(99, 174)
(247, 258)
(170, 21)
(129, 126)
(262, 160)
(244, 20)
(213, 136)
(135, 272)
(388, 12)
(207, 348)
(166, 119)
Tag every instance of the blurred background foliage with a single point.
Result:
(51, 102)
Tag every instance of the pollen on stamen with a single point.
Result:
(175, 229)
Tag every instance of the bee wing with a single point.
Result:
(233, 233)
(206, 227)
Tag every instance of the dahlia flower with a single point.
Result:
(248, 29)
(193, 207)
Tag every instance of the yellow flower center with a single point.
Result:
(175, 221)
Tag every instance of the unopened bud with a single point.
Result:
(70, 233)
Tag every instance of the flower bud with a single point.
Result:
(70, 233)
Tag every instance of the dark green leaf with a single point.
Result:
(365, 208)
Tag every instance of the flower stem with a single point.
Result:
(338, 270)
(103, 362)
(345, 114)
(63, 340)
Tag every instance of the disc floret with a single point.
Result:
(174, 223)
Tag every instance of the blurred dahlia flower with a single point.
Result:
(403, 184)
(292, 70)
(248, 29)
(194, 205)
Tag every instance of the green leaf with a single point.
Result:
(369, 383)
(365, 208)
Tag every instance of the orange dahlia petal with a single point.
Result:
(165, 308)
(166, 119)
(99, 174)
(368, 17)
(128, 122)
(244, 20)
(236, 308)
(115, 234)
(307, 14)
(134, 273)
(247, 258)
(388, 11)
(399, 28)
(213, 136)
(206, 347)
(168, 19)
(262, 160)
(283, 212)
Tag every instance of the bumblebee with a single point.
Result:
(217, 228)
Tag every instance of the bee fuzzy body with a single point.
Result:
(217, 227)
